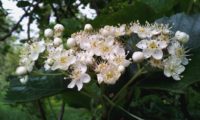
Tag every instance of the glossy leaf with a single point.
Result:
(37, 87)
(185, 23)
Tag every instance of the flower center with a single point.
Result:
(152, 45)
(179, 52)
(141, 29)
(109, 75)
(63, 60)
(105, 48)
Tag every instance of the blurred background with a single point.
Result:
(21, 20)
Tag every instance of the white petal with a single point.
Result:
(185, 61)
(167, 72)
(85, 78)
(142, 44)
(176, 77)
(147, 53)
(46, 67)
(162, 44)
(157, 54)
(180, 69)
(126, 63)
(99, 78)
(79, 84)
(34, 56)
(72, 84)
(171, 50)
(83, 68)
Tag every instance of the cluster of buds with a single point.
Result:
(102, 52)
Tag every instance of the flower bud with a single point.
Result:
(58, 28)
(57, 41)
(71, 42)
(49, 61)
(138, 56)
(121, 68)
(182, 37)
(21, 70)
(24, 79)
(48, 33)
(88, 28)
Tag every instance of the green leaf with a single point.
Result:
(160, 6)
(190, 25)
(185, 23)
(77, 114)
(37, 87)
(23, 4)
(72, 25)
(77, 99)
(129, 13)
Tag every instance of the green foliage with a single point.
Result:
(151, 96)
(37, 87)
(23, 3)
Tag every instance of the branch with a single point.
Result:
(19, 21)
(62, 111)
(55, 12)
(28, 28)
(41, 110)
(13, 28)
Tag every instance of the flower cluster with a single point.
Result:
(101, 52)
(163, 49)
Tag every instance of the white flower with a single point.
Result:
(177, 50)
(48, 63)
(57, 41)
(156, 63)
(182, 37)
(88, 27)
(27, 63)
(152, 48)
(85, 57)
(71, 42)
(79, 76)
(118, 57)
(144, 31)
(138, 56)
(108, 74)
(63, 60)
(21, 70)
(48, 33)
(104, 48)
(35, 49)
(24, 79)
(173, 68)
(113, 31)
(58, 30)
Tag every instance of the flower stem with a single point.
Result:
(138, 73)
(121, 108)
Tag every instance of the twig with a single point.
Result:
(55, 12)
(121, 108)
(128, 83)
(13, 28)
(19, 21)
(41, 110)
(62, 110)
(28, 28)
